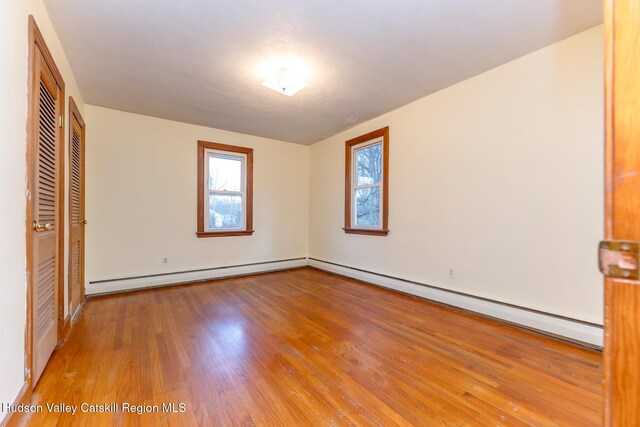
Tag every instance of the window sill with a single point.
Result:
(202, 234)
(366, 231)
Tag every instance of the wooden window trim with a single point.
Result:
(348, 228)
(206, 145)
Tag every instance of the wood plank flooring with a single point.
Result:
(307, 348)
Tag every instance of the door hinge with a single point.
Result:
(619, 259)
(61, 121)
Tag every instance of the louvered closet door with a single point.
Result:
(45, 199)
(76, 202)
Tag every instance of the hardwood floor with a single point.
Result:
(305, 347)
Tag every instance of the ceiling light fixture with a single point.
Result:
(286, 80)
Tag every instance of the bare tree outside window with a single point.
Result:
(225, 187)
(225, 190)
(367, 169)
(367, 186)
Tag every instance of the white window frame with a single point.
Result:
(355, 186)
(208, 153)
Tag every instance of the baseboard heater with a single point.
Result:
(577, 331)
(124, 284)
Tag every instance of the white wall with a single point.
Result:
(499, 177)
(13, 117)
(141, 198)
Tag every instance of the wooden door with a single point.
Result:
(76, 207)
(45, 216)
(622, 160)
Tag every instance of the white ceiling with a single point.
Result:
(195, 60)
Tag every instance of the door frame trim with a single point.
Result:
(622, 204)
(74, 112)
(608, 20)
(36, 41)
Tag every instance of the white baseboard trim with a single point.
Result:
(133, 283)
(574, 330)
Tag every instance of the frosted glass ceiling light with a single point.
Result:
(286, 81)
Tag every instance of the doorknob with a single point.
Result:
(83, 222)
(39, 227)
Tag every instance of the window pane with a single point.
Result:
(369, 165)
(225, 174)
(225, 211)
(367, 207)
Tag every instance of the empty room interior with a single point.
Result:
(302, 213)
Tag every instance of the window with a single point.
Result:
(225, 190)
(366, 184)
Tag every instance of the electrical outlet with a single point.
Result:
(451, 273)
(165, 260)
